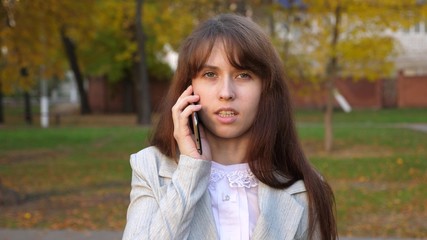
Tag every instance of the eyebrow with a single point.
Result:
(209, 66)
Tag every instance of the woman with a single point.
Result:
(252, 180)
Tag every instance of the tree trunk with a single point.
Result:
(331, 72)
(142, 82)
(70, 50)
(1, 105)
(271, 24)
(329, 135)
(128, 95)
(28, 116)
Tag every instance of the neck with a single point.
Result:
(228, 151)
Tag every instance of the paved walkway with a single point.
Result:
(422, 127)
(34, 234)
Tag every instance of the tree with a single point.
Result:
(28, 116)
(144, 109)
(112, 48)
(35, 42)
(1, 105)
(344, 38)
(6, 15)
(70, 50)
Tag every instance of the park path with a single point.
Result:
(41, 234)
(422, 127)
(35, 234)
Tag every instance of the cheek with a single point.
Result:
(198, 88)
(255, 98)
(253, 106)
(204, 93)
(254, 110)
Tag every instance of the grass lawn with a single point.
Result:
(77, 175)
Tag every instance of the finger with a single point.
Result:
(182, 110)
(183, 102)
(185, 98)
(182, 119)
(187, 92)
(187, 111)
(184, 107)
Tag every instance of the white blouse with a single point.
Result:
(234, 194)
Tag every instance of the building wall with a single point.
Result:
(406, 91)
(359, 94)
(307, 95)
(97, 93)
(105, 97)
(412, 56)
(412, 91)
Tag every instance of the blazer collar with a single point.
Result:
(280, 213)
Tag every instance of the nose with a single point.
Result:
(227, 89)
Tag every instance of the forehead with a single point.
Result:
(217, 53)
(222, 50)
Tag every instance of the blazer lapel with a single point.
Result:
(203, 223)
(280, 214)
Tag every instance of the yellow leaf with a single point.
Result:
(27, 215)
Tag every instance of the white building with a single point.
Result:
(413, 58)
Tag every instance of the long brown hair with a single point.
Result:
(274, 152)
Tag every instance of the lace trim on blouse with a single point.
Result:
(237, 178)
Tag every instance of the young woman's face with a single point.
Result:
(229, 96)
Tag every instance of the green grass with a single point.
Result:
(66, 173)
(378, 170)
(77, 175)
(384, 116)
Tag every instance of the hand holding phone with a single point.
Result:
(187, 130)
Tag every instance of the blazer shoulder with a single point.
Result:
(144, 156)
(297, 188)
(151, 160)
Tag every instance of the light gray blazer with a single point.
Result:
(171, 201)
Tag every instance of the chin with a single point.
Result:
(230, 134)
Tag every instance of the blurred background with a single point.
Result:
(81, 83)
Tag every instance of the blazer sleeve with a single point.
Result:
(159, 211)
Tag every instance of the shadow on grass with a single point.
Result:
(12, 197)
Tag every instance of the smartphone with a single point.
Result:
(195, 122)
